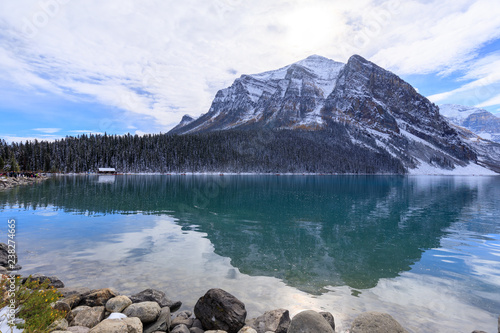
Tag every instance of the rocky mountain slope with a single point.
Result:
(479, 121)
(368, 106)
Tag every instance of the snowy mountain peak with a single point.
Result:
(479, 121)
(458, 112)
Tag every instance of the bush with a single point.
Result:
(33, 303)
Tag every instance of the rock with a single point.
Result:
(180, 329)
(64, 307)
(276, 321)
(78, 329)
(498, 324)
(219, 310)
(309, 322)
(127, 325)
(4, 256)
(118, 303)
(478, 332)
(61, 306)
(3, 270)
(89, 317)
(181, 320)
(60, 331)
(197, 323)
(58, 325)
(247, 329)
(78, 309)
(215, 331)
(376, 322)
(81, 291)
(329, 318)
(72, 300)
(147, 312)
(152, 295)
(162, 323)
(196, 330)
(185, 314)
(53, 280)
(98, 297)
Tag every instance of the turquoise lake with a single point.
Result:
(425, 249)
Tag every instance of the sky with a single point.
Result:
(69, 67)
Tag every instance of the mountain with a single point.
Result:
(353, 106)
(478, 121)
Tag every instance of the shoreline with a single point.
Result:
(151, 310)
(12, 182)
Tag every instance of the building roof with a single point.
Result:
(107, 170)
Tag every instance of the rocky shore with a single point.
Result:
(10, 182)
(151, 311)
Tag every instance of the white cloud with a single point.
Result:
(47, 130)
(164, 59)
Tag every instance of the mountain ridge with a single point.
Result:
(369, 101)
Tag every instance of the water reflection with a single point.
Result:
(311, 232)
(424, 249)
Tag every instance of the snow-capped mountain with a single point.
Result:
(479, 121)
(370, 107)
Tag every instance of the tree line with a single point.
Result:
(329, 151)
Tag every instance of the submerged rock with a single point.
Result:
(309, 321)
(219, 310)
(376, 322)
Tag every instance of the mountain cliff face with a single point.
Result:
(370, 107)
(478, 121)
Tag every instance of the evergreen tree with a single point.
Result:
(14, 166)
(2, 163)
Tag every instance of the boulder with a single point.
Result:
(329, 318)
(65, 308)
(58, 325)
(276, 321)
(476, 331)
(4, 256)
(127, 325)
(118, 303)
(152, 295)
(215, 331)
(53, 280)
(219, 310)
(247, 329)
(89, 317)
(162, 323)
(147, 312)
(182, 320)
(72, 300)
(196, 330)
(78, 309)
(78, 329)
(498, 324)
(98, 297)
(180, 329)
(81, 291)
(197, 323)
(376, 322)
(309, 322)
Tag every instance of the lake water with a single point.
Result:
(424, 249)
